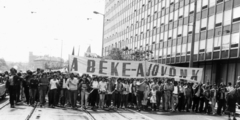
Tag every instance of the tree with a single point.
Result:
(115, 54)
(3, 65)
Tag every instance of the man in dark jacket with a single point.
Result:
(221, 100)
(42, 87)
(11, 86)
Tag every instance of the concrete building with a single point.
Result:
(44, 62)
(165, 28)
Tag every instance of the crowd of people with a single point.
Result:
(96, 92)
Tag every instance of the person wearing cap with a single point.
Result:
(11, 86)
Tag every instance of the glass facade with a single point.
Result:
(165, 28)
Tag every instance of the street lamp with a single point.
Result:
(95, 12)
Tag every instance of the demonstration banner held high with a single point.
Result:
(132, 69)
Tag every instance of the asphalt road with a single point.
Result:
(24, 112)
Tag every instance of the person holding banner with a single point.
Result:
(94, 92)
(140, 93)
(72, 84)
(117, 93)
(102, 91)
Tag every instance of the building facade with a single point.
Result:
(165, 27)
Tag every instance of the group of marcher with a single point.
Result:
(163, 94)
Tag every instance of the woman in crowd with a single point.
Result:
(72, 85)
(102, 92)
(53, 92)
(84, 89)
(33, 85)
(125, 94)
(94, 92)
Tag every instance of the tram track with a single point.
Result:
(31, 113)
(4, 105)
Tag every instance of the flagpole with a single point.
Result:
(79, 50)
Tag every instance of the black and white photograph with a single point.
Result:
(119, 60)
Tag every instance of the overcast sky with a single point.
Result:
(40, 25)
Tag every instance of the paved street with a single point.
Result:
(23, 112)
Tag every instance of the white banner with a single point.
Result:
(132, 69)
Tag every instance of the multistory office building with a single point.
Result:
(165, 28)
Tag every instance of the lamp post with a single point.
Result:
(193, 34)
(95, 12)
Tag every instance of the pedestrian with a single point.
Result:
(102, 92)
(18, 87)
(117, 93)
(43, 86)
(72, 85)
(52, 94)
(180, 104)
(188, 96)
(33, 87)
(26, 86)
(110, 88)
(153, 99)
(207, 96)
(175, 95)
(125, 94)
(11, 87)
(221, 101)
(140, 87)
(94, 92)
(85, 89)
(197, 90)
(213, 95)
(64, 92)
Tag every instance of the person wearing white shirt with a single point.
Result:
(94, 92)
(72, 86)
(53, 91)
(125, 94)
(102, 91)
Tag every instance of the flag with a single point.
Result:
(78, 50)
(89, 49)
(73, 51)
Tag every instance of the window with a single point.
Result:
(210, 34)
(203, 35)
(178, 49)
(212, 3)
(211, 11)
(209, 45)
(227, 17)
(185, 21)
(217, 42)
(235, 40)
(236, 14)
(169, 51)
(179, 30)
(219, 8)
(228, 5)
(205, 2)
(219, 18)
(174, 51)
(204, 14)
(181, 12)
(199, 5)
(164, 52)
(236, 3)
(186, 11)
(185, 30)
(189, 48)
(197, 27)
(198, 16)
(235, 27)
(225, 42)
(184, 46)
(202, 46)
(196, 47)
(204, 23)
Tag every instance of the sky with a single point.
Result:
(41, 25)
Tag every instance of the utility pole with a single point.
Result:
(193, 34)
